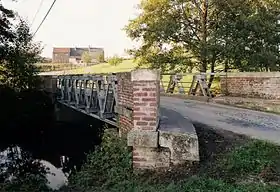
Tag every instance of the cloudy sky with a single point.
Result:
(80, 23)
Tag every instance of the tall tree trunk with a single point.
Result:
(203, 16)
(212, 71)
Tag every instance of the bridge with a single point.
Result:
(158, 128)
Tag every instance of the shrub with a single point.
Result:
(115, 60)
(107, 166)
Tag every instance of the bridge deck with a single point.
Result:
(179, 114)
(255, 124)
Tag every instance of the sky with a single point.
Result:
(80, 23)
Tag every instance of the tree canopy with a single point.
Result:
(18, 52)
(115, 60)
(86, 57)
(178, 35)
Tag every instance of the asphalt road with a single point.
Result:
(255, 124)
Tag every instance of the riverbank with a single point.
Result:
(229, 162)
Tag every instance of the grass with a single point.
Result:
(129, 65)
(47, 67)
(228, 163)
(126, 65)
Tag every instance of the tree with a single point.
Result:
(115, 60)
(207, 32)
(249, 35)
(17, 62)
(6, 32)
(165, 26)
(86, 57)
(101, 58)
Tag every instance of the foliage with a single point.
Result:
(108, 165)
(101, 58)
(115, 60)
(109, 169)
(21, 173)
(86, 57)
(17, 69)
(6, 32)
(182, 34)
(248, 33)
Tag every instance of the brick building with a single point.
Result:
(74, 55)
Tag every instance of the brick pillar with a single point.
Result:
(146, 92)
(144, 136)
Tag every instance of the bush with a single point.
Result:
(107, 166)
(115, 60)
(20, 172)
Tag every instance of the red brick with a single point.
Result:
(135, 164)
(149, 89)
(136, 118)
(148, 118)
(140, 94)
(136, 108)
(152, 124)
(135, 153)
(139, 159)
(136, 99)
(141, 123)
(153, 104)
(152, 94)
(139, 114)
(140, 104)
(149, 99)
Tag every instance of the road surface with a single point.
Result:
(255, 124)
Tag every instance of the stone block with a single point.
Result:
(145, 75)
(151, 158)
(138, 138)
(183, 146)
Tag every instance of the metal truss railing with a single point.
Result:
(189, 84)
(95, 95)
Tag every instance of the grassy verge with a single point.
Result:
(228, 163)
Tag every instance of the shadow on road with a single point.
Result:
(213, 142)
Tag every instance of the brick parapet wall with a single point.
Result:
(253, 84)
(125, 102)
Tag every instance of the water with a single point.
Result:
(56, 177)
(62, 149)
(31, 135)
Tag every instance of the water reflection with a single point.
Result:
(33, 141)
(54, 154)
(12, 161)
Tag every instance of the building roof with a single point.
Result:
(61, 50)
(77, 51)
